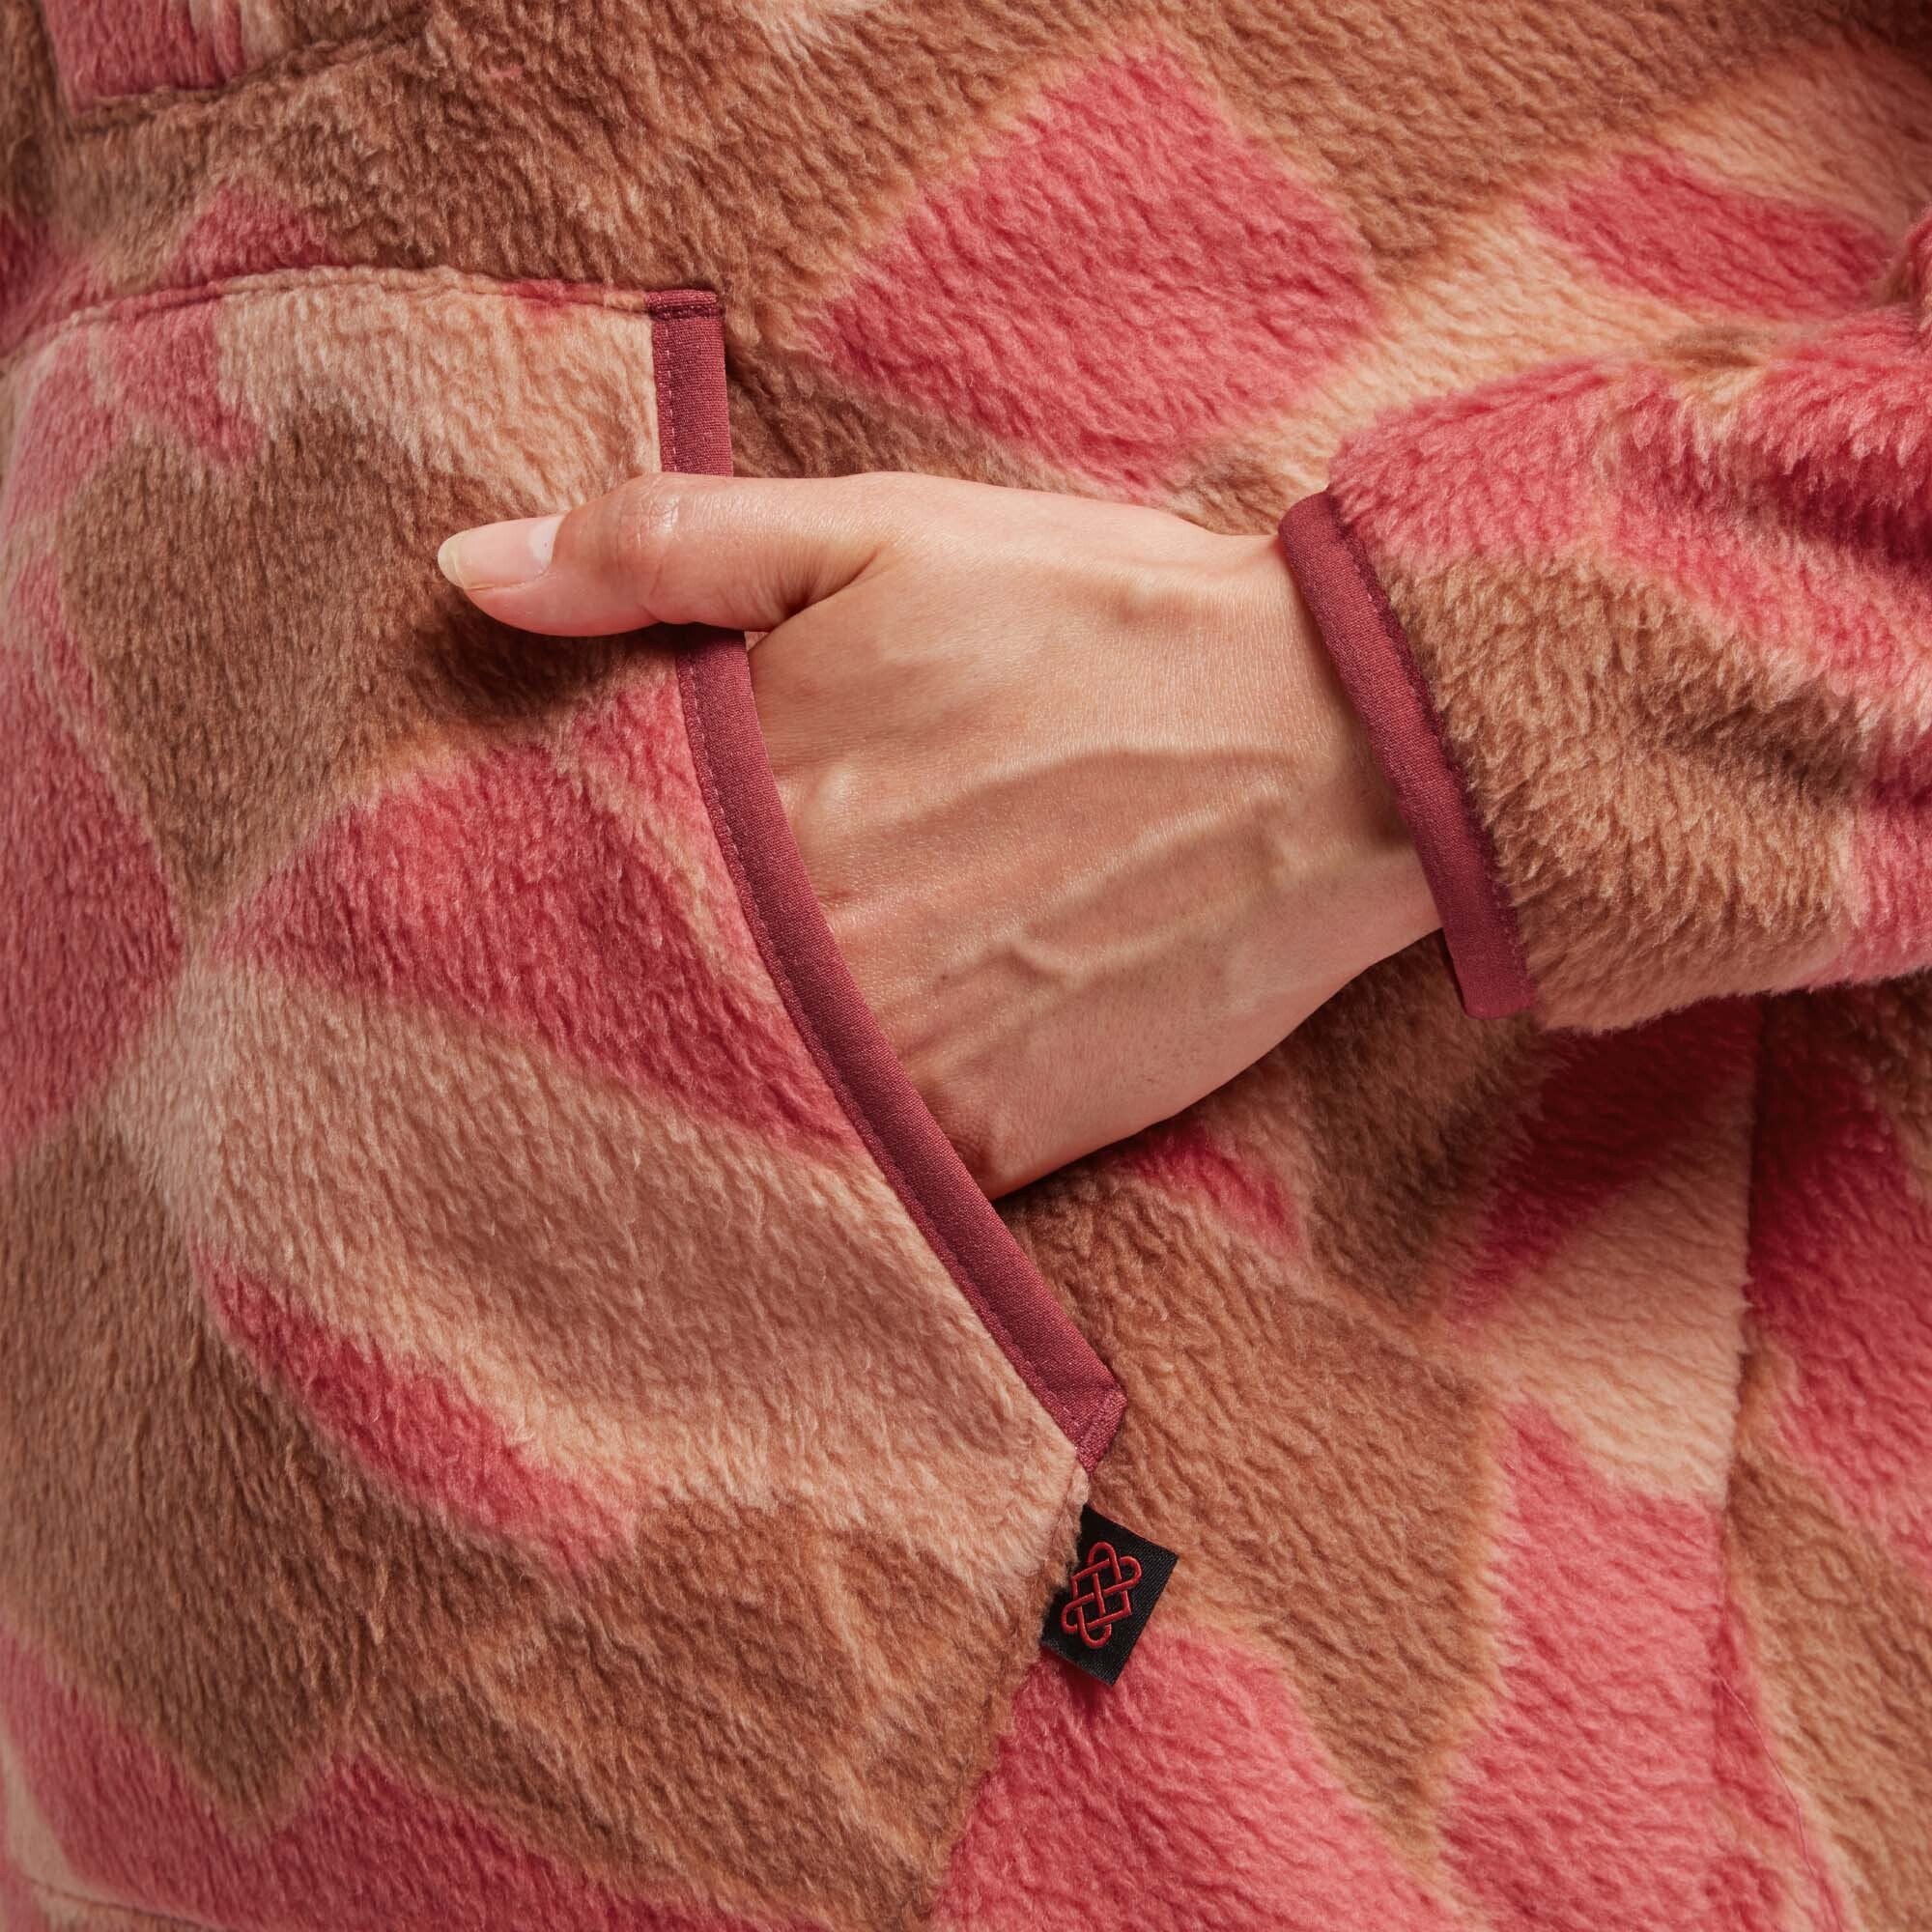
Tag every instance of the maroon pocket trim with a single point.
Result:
(1006, 1290)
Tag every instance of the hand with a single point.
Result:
(1085, 807)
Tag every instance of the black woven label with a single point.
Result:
(1117, 1578)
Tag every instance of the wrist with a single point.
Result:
(1360, 891)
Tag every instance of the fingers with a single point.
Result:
(676, 550)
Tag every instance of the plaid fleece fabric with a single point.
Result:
(510, 1414)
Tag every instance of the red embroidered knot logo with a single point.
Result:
(1103, 1595)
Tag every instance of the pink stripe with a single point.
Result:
(1122, 276)
(411, 1425)
(356, 1849)
(1588, 1802)
(239, 232)
(19, 1910)
(112, 51)
(39, 278)
(1035, 1333)
(1837, 1277)
(572, 934)
(1891, 888)
(1372, 655)
(1652, 223)
(1183, 1158)
(1611, 1112)
(1492, 474)
(91, 942)
(173, 376)
(1195, 1796)
(1754, 1881)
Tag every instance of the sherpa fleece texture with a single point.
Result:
(508, 1417)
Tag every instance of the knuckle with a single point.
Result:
(637, 530)
(866, 496)
(897, 511)
(1145, 599)
(987, 1136)
(1158, 583)
(888, 490)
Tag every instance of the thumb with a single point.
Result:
(743, 553)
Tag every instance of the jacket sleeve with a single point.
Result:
(1645, 649)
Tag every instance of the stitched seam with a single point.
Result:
(296, 63)
(666, 419)
(1501, 908)
(1083, 1428)
(401, 284)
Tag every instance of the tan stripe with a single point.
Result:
(71, 1912)
(1417, 118)
(1503, 302)
(660, 1303)
(1842, 125)
(1621, 915)
(1426, 118)
(1259, 1433)
(1845, 126)
(270, 631)
(157, 1526)
(1628, 1338)
(649, 788)
(29, 1840)
(214, 1575)
(1391, 1111)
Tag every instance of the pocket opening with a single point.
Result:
(1012, 1301)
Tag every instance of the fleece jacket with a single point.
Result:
(511, 1413)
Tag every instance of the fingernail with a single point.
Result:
(494, 557)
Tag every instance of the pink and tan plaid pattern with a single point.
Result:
(504, 1421)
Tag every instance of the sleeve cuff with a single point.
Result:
(1378, 670)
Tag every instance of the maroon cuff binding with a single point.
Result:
(1006, 1290)
(1378, 671)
